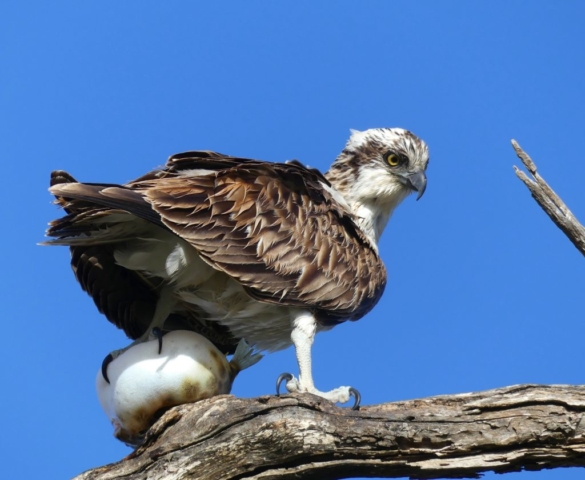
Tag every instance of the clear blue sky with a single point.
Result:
(484, 291)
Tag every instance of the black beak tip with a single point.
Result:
(418, 182)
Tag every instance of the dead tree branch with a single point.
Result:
(305, 437)
(550, 201)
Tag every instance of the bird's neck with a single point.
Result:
(371, 206)
(371, 219)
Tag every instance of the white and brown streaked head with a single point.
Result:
(376, 170)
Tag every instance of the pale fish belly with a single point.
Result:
(142, 381)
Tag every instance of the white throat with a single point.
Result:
(373, 215)
(373, 201)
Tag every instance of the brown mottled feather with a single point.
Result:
(271, 226)
(284, 269)
(127, 299)
(118, 293)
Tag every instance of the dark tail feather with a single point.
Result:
(61, 176)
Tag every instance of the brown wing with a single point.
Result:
(273, 227)
(127, 299)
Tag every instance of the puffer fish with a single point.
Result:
(144, 383)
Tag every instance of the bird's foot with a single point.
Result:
(155, 333)
(158, 334)
(337, 395)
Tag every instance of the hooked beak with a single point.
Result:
(417, 181)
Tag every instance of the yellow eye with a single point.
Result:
(392, 159)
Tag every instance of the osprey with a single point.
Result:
(234, 248)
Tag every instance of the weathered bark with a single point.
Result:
(305, 437)
(550, 201)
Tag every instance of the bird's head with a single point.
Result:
(376, 170)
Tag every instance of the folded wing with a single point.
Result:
(275, 228)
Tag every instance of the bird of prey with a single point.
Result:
(235, 248)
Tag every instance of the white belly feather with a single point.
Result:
(195, 283)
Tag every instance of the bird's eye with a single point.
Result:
(392, 159)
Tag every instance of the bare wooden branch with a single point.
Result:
(550, 201)
(305, 437)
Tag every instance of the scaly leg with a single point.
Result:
(303, 335)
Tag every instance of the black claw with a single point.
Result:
(280, 379)
(157, 332)
(357, 396)
(109, 359)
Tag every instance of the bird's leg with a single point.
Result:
(303, 334)
(164, 307)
